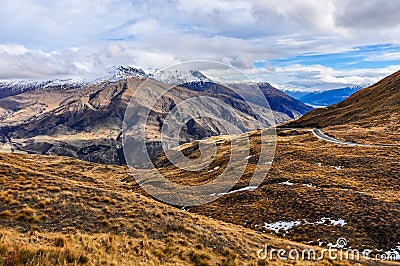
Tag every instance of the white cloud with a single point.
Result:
(389, 56)
(13, 49)
(43, 38)
(115, 50)
(318, 77)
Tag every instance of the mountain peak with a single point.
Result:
(121, 72)
(176, 77)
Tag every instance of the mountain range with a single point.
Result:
(83, 119)
(315, 193)
(325, 97)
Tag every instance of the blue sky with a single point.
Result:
(372, 56)
(293, 44)
(378, 57)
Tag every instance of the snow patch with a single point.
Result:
(287, 225)
(176, 77)
(116, 73)
(214, 169)
(14, 87)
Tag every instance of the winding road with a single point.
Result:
(319, 134)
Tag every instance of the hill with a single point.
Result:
(81, 210)
(62, 211)
(314, 192)
(375, 105)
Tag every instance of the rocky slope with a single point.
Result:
(284, 107)
(85, 121)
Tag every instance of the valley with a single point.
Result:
(203, 133)
(319, 186)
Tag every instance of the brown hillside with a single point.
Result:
(310, 179)
(62, 211)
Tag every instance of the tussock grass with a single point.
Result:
(98, 221)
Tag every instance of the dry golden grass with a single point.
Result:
(93, 219)
(357, 184)
(47, 249)
(371, 135)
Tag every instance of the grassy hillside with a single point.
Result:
(311, 181)
(62, 211)
(316, 183)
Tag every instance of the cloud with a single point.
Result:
(368, 15)
(19, 62)
(318, 77)
(16, 61)
(43, 38)
(13, 49)
(115, 50)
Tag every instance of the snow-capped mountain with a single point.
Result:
(176, 77)
(325, 97)
(15, 87)
(113, 74)
(116, 73)
(97, 108)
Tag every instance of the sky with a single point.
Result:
(293, 44)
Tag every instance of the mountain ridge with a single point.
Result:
(324, 97)
(85, 121)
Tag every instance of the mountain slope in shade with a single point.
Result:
(86, 122)
(281, 102)
(283, 106)
(377, 105)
